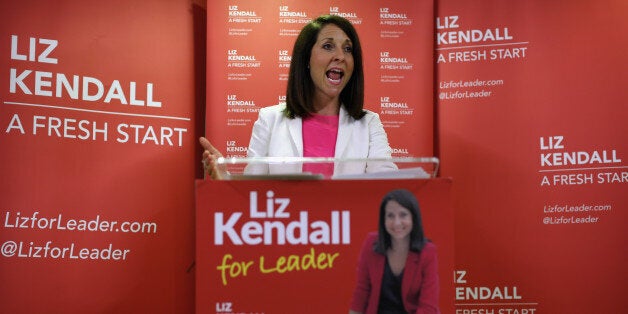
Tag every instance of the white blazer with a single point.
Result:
(276, 135)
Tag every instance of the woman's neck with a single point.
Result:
(327, 107)
(400, 245)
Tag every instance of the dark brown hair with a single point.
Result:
(300, 85)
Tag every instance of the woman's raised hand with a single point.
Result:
(209, 159)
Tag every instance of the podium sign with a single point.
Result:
(293, 246)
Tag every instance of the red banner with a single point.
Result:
(97, 142)
(277, 246)
(532, 129)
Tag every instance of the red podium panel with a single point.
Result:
(292, 246)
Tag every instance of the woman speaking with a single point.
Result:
(324, 113)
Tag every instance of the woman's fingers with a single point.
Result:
(207, 145)
(209, 158)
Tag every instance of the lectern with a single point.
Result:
(274, 238)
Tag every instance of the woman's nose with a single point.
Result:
(339, 54)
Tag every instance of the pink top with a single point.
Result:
(319, 140)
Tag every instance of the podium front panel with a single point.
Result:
(292, 246)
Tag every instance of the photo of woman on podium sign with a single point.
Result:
(397, 268)
(323, 115)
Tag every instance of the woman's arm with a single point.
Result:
(430, 287)
(378, 145)
(260, 136)
(258, 144)
(362, 291)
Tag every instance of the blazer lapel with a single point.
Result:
(344, 133)
(409, 273)
(295, 128)
(377, 272)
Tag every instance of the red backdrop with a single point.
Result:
(512, 112)
(523, 86)
(249, 48)
(74, 158)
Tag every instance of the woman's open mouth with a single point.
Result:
(335, 76)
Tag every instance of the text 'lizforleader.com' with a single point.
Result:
(96, 224)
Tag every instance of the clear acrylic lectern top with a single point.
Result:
(323, 168)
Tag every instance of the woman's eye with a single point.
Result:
(348, 49)
(328, 46)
